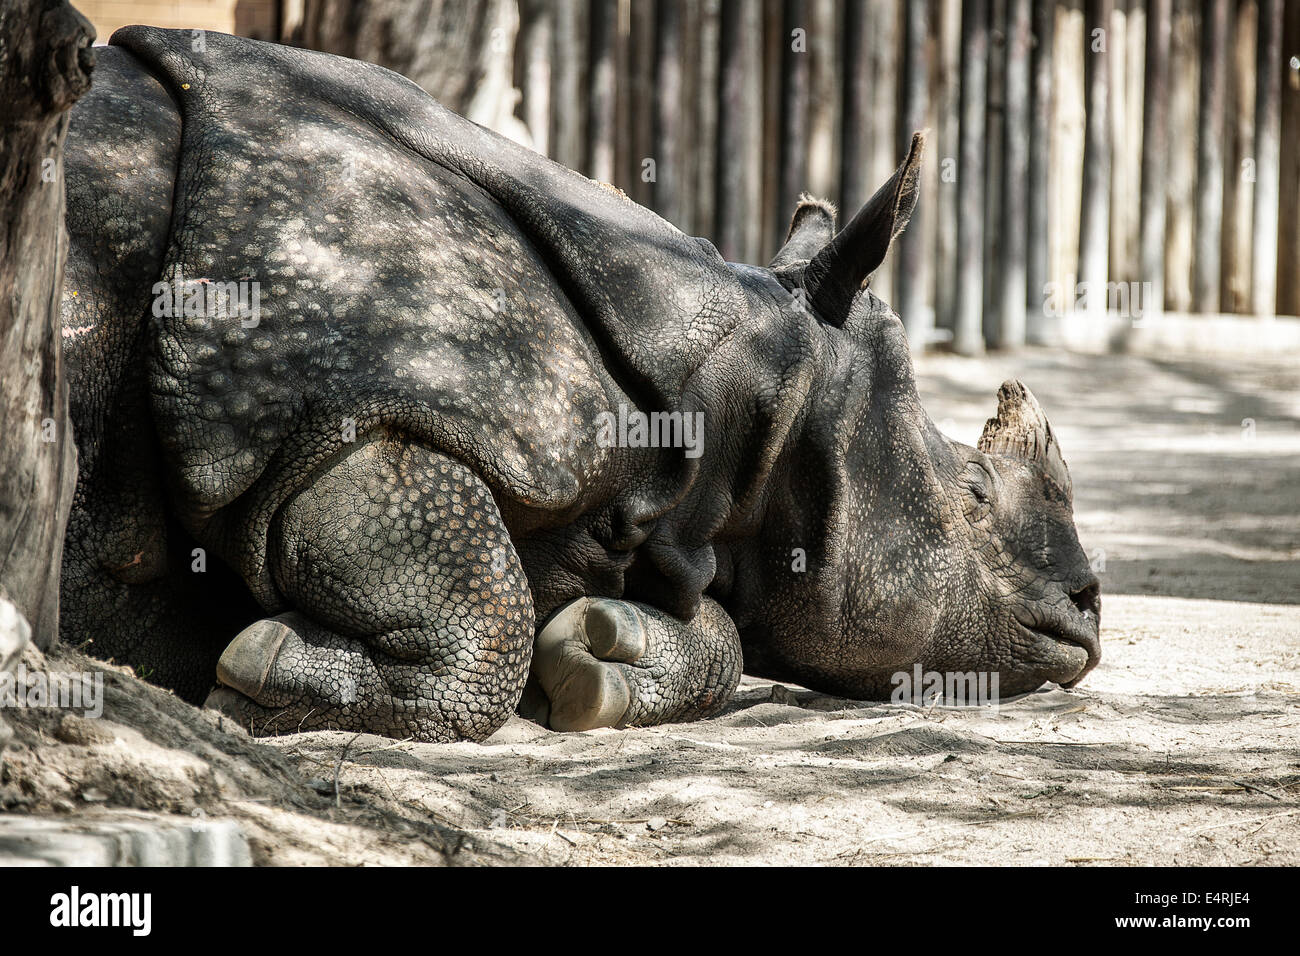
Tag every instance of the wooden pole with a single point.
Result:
(1155, 156)
(1288, 239)
(855, 137)
(796, 71)
(45, 65)
(913, 256)
(567, 139)
(1037, 241)
(669, 160)
(1268, 97)
(945, 152)
(882, 116)
(994, 107)
(1239, 159)
(602, 90)
(1094, 212)
(739, 130)
(1215, 31)
(533, 63)
(968, 334)
(1015, 173)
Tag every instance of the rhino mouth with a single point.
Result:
(1084, 634)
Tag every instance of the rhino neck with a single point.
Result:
(756, 392)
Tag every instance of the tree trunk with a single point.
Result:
(1037, 241)
(533, 67)
(1094, 215)
(602, 90)
(1155, 157)
(1288, 239)
(855, 135)
(670, 166)
(1268, 96)
(994, 105)
(1215, 30)
(1180, 211)
(796, 78)
(460, 51)
(1239, 168)
(968, 334)
(1015, 171)
(45, 65)
(823, 176)
(944, 152)
(913, 256)
(739, 130)
(882, 116)
(568, 135)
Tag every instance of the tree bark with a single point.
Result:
(994, 107)
(1239, 171)
(1215, 30)
(670, 167)
(1181, 184)
(568, 134)
(796, 75)
(944, 152)
(1288, 239)
(533, 67)
(914, 258)
(739, 130)
(602, 90)
(968, 333)
(1094, 215)
(45, 65)
(1040, 133)
(1013, 269)
(1155, 156)
(460, 51)
(855, 136)
(882, 116)
(1268, 98)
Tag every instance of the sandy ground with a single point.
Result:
(1182, 748)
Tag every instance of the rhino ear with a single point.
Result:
(836, 273)
(1021, 430)
(811, 227)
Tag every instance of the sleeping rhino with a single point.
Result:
(386, 423)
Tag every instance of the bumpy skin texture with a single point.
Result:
(395, 473)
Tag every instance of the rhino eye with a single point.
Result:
(979, 495)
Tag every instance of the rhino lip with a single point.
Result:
(1080, 635)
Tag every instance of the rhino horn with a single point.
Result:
(1021, 430)
(836, 273)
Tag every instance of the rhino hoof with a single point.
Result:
(570, 662)
(246, 663)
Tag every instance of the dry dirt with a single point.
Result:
(1181, 748)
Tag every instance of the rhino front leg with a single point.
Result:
(599, 662)
(412, 613)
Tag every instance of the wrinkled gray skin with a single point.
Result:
(394, 478)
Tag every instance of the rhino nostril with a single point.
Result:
(1088, 599)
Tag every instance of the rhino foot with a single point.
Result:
(413, 616)
(605, 663)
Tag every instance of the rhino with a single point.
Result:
(386, 423)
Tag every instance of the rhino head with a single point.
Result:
(919, 549)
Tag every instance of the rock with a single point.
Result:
(122, 839)
(73, 729)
